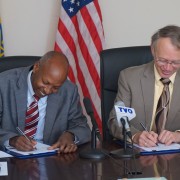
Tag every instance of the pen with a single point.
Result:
(146, 129)
(22, 133)
(143, 126)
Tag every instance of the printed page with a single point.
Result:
(4, 154)
(151, 178)
(160, 147)
(40, 148)
(3, 169)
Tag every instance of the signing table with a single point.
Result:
(71, 166)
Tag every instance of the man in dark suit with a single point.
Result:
(140, 88)
(61, 122)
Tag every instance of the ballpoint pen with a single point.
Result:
(22, 133)
(144, 127)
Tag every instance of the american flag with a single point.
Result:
(80, 37)
(1, 41)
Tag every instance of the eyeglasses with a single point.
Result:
(162, 62)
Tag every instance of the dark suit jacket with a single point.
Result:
(63, 110)
(136, 90)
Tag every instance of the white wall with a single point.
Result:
(29, 26)
(132, 22)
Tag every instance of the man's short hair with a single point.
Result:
(171, 31)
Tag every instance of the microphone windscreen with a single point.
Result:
(88, 105)
(120, 103)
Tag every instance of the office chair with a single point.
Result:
(111, 63)
(11, 62)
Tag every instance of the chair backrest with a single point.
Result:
(112, 62)
(11, 62)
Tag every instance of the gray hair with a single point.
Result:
(171, 31)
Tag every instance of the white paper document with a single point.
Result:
(3, 169)
(40, 148)
(4, 155)
(160, 147)
(153, 178)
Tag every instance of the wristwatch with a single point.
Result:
(75, 139)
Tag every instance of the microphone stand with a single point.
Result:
(93, 153)
(125, 152)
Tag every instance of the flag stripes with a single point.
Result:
(80, 37)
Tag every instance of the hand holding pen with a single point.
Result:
(22, 133)
(22, 143)
(152, 137)
(29, 139)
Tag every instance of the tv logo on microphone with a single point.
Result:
(124, 111)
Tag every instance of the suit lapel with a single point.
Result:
(147, 84)
(21, 98)
(51, 111)
(175, 100)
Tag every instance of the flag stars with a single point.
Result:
(73, 6)
(72, 1)
(78, 3)
(71, 10)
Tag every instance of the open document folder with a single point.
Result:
(149, 178)
(160, 149)
(41, 150)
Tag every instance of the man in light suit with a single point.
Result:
(140, 88)
(61, 122)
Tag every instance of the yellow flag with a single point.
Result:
(1, 41)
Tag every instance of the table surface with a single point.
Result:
(71, 166)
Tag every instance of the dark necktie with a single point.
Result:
(162, 107)
(32, 118)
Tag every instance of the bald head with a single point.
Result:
(52, 56)
(49, 73)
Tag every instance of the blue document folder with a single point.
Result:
(21, 156)
(40, 151)
(160, 149)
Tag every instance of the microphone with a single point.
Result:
(90, 112)
(125, 123)
(93, 153)
(123, 115)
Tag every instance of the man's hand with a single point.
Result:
(168, 137)
(146, 139)
(65, 143)
(22, 144)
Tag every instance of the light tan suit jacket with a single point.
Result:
(136, 90)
